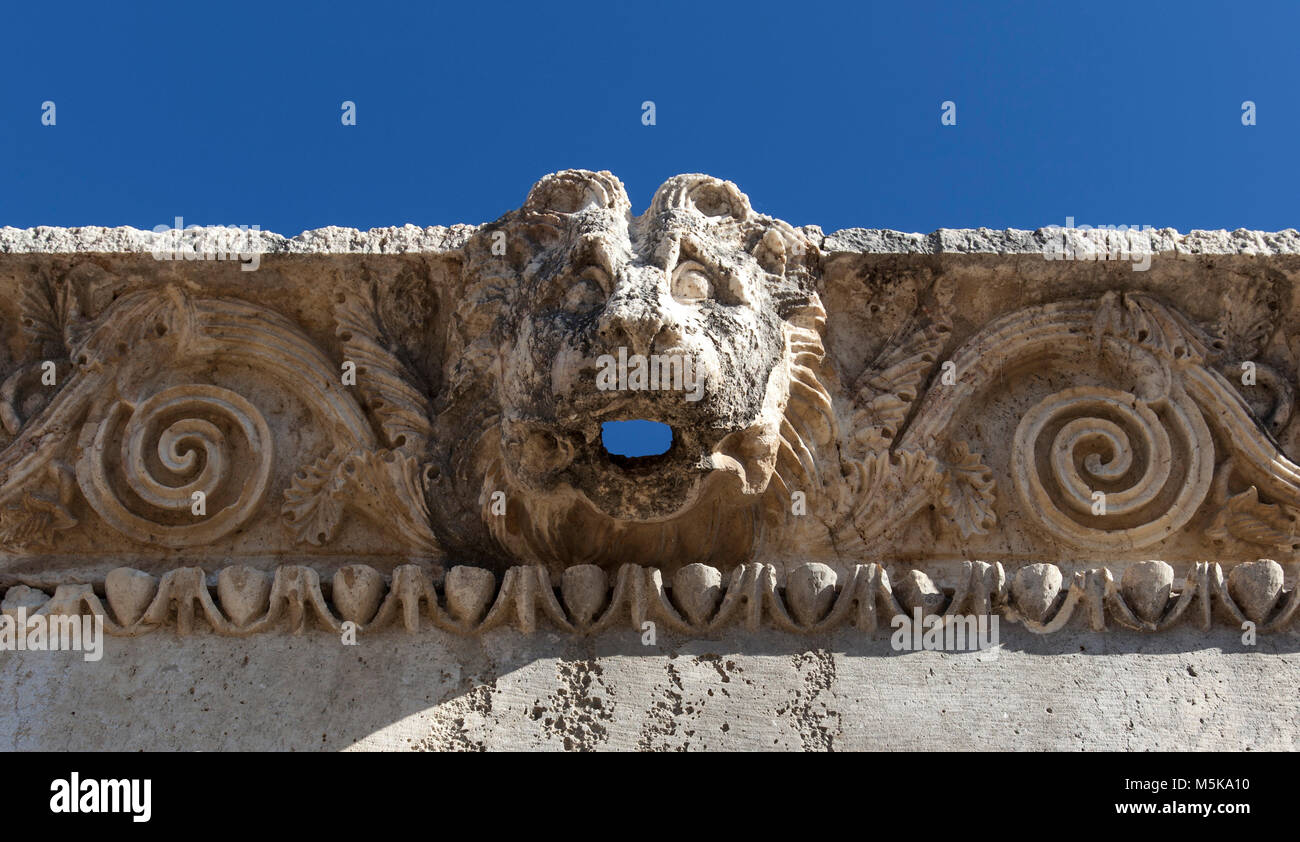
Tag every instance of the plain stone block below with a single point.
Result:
(1180, 690)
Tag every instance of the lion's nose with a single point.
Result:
(632, 323)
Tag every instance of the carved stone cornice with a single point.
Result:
(406, 406)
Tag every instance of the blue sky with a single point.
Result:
(829, 114)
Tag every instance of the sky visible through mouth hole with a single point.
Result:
(636, 438)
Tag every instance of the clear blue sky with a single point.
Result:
(228, 113)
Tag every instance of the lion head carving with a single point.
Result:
(556, 291)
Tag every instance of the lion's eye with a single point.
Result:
(586, 293)
(691, 283)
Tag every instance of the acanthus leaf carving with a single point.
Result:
(386, 484)
(884, 489)
(968, 494)
(1248, 316)
(889, 388)
(391, 486)
(1138, 319)
(392, 390)
(33, 520)
(313, 506)
(1248, 519)
(50, 314)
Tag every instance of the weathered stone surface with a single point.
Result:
(585, 589)
(810, 592)
(1147, 586)
(469, 592)
(129, 593)
(863, 423)
(357, 591)
(1256, 586)
(244, 593)
(1035, 588)
(697, 590)
(1185, 690)
(22, 597)
(413, 395)
(916, 590)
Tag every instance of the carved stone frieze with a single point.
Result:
(697, 600)
(407, 426)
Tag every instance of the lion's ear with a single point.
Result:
(719, 201)
(782, 249)
(771, 252)
(574, 191)
(715, 198)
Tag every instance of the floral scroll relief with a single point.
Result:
(145, 436)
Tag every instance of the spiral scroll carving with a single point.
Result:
(1152, 462)
(140, 467)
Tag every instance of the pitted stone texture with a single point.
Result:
(93, 239)
(1162, 241)
(408, 238)
(748, 692)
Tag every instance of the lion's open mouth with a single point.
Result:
(637, 444)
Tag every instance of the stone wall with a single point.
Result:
(1178, 691)
(349, 489)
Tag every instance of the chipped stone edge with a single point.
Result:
(1054, 241)
(408, 239)
(405, 239)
